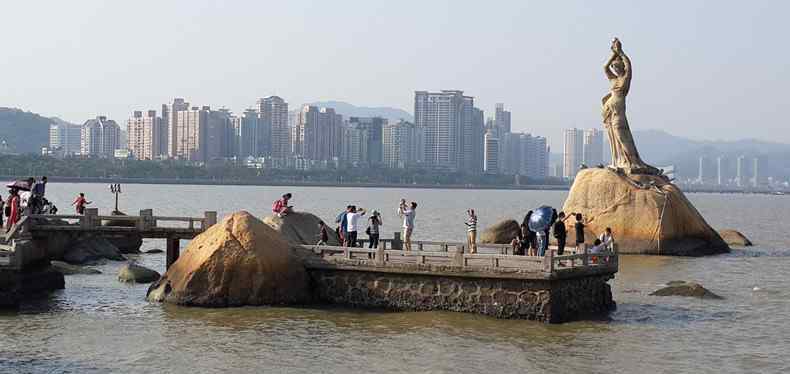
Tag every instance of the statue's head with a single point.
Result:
(618, 66)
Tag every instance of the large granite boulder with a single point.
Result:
(501, 232)
(301, 228)
(685, 289)
(92, 249)
(647, 214)
(134, 273)
(733, 237)
(239, 261)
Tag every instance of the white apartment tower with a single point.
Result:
(573, 152)
(273, 111)
(491, 162)
(444, 116)
(100, 137)
(593, 147)
(144, 135)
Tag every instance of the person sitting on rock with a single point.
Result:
(607, 239)
(280, 207)
(323, 233)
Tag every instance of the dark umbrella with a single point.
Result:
(19, 185)
(540, 219)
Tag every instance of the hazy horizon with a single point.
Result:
(702, 70)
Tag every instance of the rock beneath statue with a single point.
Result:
(686, 289)
(301, 228)
(69, 269)
(501, 232)
(647, 214)
(134, 273)
(735, 238)
(239, 261)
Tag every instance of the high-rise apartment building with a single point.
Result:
(367, 139)
(248, 134)
(65, 137)
(701, 173)
(203, 134)
(401, 142)
(447, 118)
(169, 117)
(719, 171)
(478, 141)
(573, 152)
(318, 133)
(491, 162)
(755, 174)
(274, 130)
(144, 135)
(502, 119)
(100, 137)
(740, 172)
(593, 147)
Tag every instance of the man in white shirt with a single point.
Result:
(352, 224)
(408, 213)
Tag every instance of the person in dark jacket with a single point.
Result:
(529, 236)
(560, 233)
(579, 228)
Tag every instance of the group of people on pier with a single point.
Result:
(526, 242)
(27, 197)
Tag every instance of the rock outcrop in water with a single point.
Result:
(301, 228)
(687, 289)
(90, 250)
(239, 261)
(647, 214)
(134, 273)
(733, 237)
(501, 232)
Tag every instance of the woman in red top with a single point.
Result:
(13, 205)
(80, 203)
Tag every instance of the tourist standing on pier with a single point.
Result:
(407, 213)
(80, 203)
(579, 229)
(12, 208)
(352, 218)
(471, 230)
(528, 236)
(373, 229)
(342, 225)
(37, 191)
(560, 233)
(281, 207)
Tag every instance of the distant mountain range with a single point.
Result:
(351, 110)
(660, 148)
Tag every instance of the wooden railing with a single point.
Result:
(550, 263)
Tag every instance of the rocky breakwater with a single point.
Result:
(647, 213)
(239, 261)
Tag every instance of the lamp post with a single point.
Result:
(116, 190)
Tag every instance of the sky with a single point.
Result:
(717, 70)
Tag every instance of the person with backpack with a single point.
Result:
(342, 225)
(373, 229)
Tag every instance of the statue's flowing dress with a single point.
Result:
(624, 153)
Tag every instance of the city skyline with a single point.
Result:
(520, 60)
